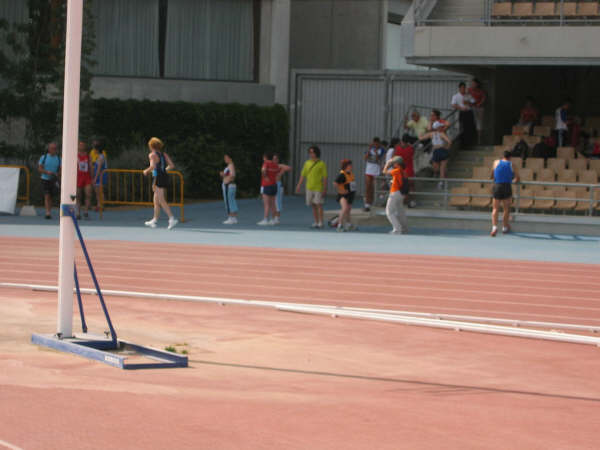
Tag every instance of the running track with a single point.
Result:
(545, 291)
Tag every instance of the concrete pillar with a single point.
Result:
(275, 47)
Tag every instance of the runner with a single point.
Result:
(283, 168)
(99, 164)
(505, 172)
(229, 191)
(269, 172)
(346, 188)
(395, 204)
(160, 163)
(84, 180)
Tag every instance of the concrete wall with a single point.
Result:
(183, 90)
(507, 42)
(337, 34)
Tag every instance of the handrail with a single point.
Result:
(383, 179)
(23, 198)
(128, 188)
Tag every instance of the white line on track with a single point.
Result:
(9, 445)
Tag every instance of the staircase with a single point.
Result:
(463, 162)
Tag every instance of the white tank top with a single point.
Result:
(436, 140)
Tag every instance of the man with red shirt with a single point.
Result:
(407, 152)
(84, 179)
(268, 189)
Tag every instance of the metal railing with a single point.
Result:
(444, 193)
(560, 16)
(132, 188)
(25, 197)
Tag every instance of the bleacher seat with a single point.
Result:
(569, 8)
(595, 165)
(544, 9)
(518, 130)
(544, 204)
(503, 9)
(577, 164)
(532, 140)
(499, 150)
(526, 196)
(482, 173)
(536, 164)
(588, 177)
(588, 9)
(459, 200)
(526, 174)
(546, 175)
(583, 200)
(565, 152)
(510, 141)
(485, 196)
(488, 161)
(556, 164)
(522, 9)
(567, 176)
(541, 130)
(517, 162)
(565, 205)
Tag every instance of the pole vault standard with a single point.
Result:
(69, 166)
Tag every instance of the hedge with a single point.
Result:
(196, 136)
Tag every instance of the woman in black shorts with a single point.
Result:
(160, 163)
(346, 188)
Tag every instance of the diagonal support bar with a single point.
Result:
(84, 327)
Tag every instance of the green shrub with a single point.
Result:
(196, 137)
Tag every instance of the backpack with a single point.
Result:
(405, 189)
(520, 149)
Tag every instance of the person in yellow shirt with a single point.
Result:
(394, 208)
(99, 164)
(315, 174)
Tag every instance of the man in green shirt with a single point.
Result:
(315, 173)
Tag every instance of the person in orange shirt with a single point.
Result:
(394, 208)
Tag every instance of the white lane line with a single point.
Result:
(9, 445)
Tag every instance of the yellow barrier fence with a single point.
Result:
(131, 187)
(22, 198)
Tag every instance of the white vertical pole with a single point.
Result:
(69, 165)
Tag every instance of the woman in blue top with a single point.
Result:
(504, 175)
(160, 163)
(49, 167)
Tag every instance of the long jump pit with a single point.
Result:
(263, 378)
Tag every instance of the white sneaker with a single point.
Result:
(319, 225)
(172, 222)
(314, 225)
(263, 222)
(340, 228)
(151, 223)
(228, 221)
(275, 221)
(394, 232)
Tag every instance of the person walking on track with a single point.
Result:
(505, 173)
(160, 163)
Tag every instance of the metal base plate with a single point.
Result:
(126, 356)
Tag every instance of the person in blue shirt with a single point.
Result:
(49, 168)
(505, 172)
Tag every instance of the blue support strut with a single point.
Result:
(84, 327)
(69, 210)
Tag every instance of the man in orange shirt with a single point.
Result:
(394, 208)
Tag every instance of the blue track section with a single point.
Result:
(203, 226)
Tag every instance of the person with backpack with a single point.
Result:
(394, 208)
(346, 188)
(160, 163)
(315, 173)
(49, 168)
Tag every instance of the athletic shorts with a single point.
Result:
(161, 180)
(314, 197)
(439, 155)
(270, 191)
(84, 180)
(349, 196)
(49, 187)
(502, 191)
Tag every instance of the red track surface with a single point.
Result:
(264, 379)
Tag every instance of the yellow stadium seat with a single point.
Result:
(565, 152)
(522, 9)
(526, 174)
(517, 162)
(536, 164)
(583, 199)
(565, 205)
(556, 164)
(588, 9)
(526, 196)
(588, 177)
(532, 140)
(545, 203)
(569, 8)
(481, 196)
(577, 164)
(546, 175)
(545, 9)
(502, 9)
(595, 165)
(456, 199)
(567, 176)
(510, 141)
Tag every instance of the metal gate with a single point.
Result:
(341, 111)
